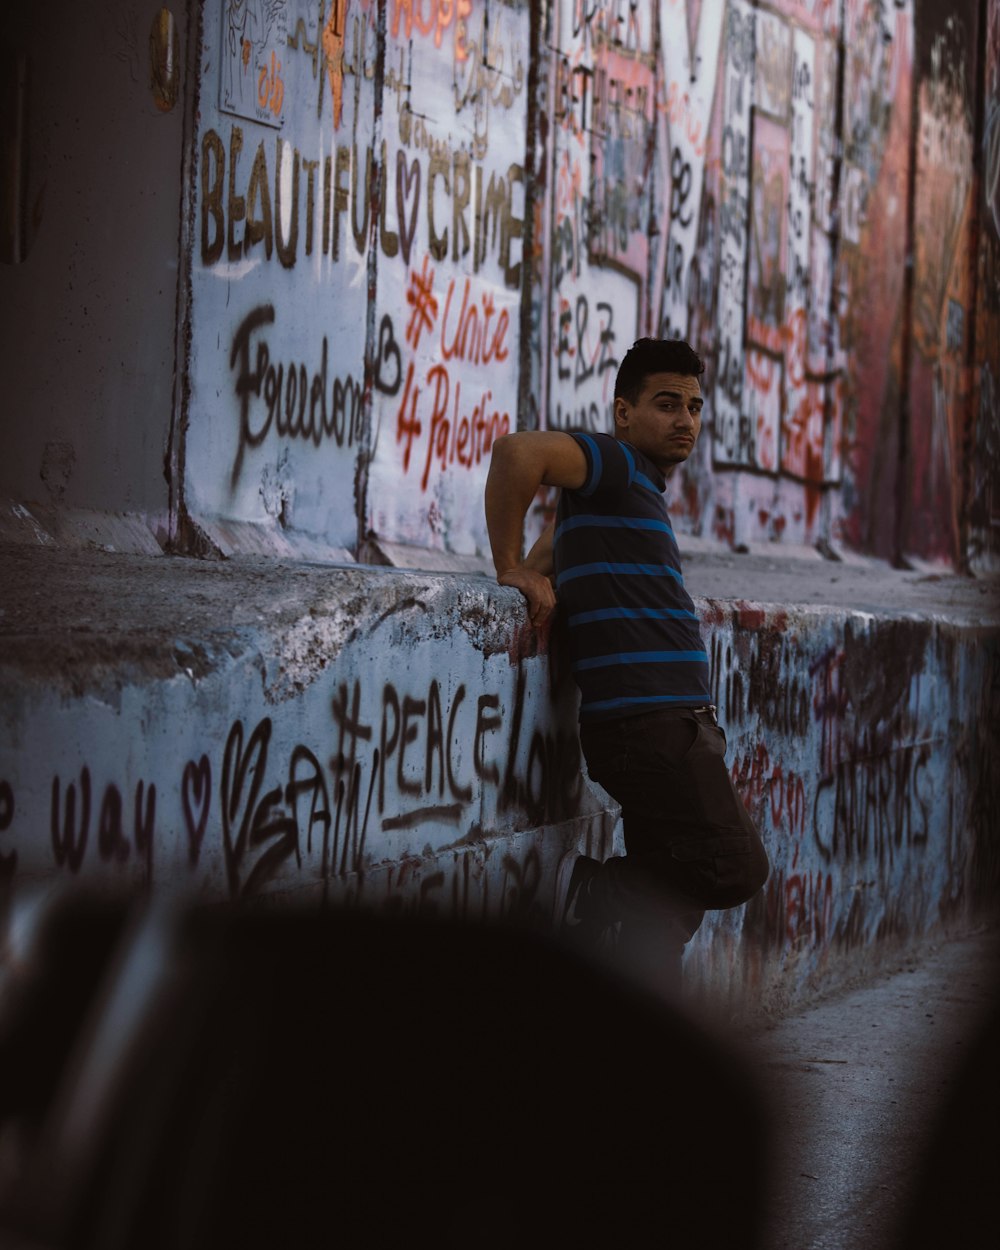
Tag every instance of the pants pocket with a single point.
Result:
(712, 788)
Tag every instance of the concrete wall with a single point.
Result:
(361, 237)
(865, 746)
(92, 146)
(396, 740)
(408, 743)
(278, 273)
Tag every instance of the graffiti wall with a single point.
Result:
(422, 760)
(356, 283)
(418, 225)
(454, 133)
(286, 215)
(413, 745)
(984, 471)
(850, 748)
(407, 226)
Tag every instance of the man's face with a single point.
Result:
(665, 421)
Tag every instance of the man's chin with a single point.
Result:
(674, 458)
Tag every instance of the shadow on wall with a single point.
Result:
(186, 1076)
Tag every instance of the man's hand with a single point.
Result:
(535, 587)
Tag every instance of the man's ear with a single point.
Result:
(621, 412)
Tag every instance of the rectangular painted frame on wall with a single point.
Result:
(254, 35)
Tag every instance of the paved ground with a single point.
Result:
(856, 1084)
(803, 577)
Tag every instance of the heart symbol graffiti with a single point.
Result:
(406, 177)
(196, 795)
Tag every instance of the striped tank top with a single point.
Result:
(634, 638)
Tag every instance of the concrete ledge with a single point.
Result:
(75, 529)
(18, 524)
(250, 538)
(404, 556)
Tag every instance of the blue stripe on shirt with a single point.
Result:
(596, 466)
(607, 705)
(643, 480)
(623, 570)
(634, 474)
(612, 522)
(630, 461)
(641, 657)
(631, 614)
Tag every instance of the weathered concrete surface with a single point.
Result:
(403, 739)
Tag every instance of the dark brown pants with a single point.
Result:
(690, 844)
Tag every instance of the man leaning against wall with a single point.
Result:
(648, 730)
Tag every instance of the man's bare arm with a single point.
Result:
(539, 558)
(520, 464)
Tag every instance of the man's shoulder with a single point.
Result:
(583, 433)
(599, 446)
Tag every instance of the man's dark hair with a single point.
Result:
(647, 356)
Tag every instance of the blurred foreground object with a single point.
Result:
(187, 1077)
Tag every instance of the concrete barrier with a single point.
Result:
(865, 747)
(405, 741)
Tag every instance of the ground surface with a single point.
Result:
(856, 1084)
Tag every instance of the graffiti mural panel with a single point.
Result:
(449, 277)
(984, 501)
(603, 110)
(939, 380)
(282, 210)
(734, 432)
(416, 227)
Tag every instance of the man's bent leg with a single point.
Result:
(655, 924)
(653, 765)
